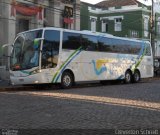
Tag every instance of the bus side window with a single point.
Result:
(71, 41)
(105, 44)
(89, 43)
(50, 50)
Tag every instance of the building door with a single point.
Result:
(22, 25)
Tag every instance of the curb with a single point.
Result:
(10, 88)
(16, 88)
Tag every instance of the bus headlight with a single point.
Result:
(39, 71)
(36, 71)
(36, 82)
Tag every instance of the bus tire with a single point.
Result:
(136, 76)
(128, 77)
(67, 80)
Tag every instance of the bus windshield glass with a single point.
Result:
(25, 53)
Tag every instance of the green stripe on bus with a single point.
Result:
(53, 80)
(140, 60)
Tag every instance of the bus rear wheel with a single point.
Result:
(128, 77)
(67, 80)
(136, 77)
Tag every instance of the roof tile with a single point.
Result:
(115, 3)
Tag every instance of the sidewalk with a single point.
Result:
(4, 83)
(5, 86)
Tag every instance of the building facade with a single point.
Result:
(157, 28)
(21, 15)
(124, 18)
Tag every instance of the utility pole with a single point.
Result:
(152, 29)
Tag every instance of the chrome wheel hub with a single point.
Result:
(136, 77)
(67, 80)
(128, 77)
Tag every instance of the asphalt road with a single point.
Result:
(118, 106)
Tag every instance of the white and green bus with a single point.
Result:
(56, 55)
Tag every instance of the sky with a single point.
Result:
(92, 1)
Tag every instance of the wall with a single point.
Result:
(85, 22)
(4, 21)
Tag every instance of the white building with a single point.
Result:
(20, 15)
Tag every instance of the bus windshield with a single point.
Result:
(25, 54)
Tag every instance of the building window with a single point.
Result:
(68, 12)
(104, 25)
(93, 24)
(134, 34)
(22, 25)
(118, 24)
(67, 17)
(145, 26)
(158, 26)
(67, 1)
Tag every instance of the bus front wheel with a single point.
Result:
(67, 80)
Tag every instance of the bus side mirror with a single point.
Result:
(4, 48)
(36, 42)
